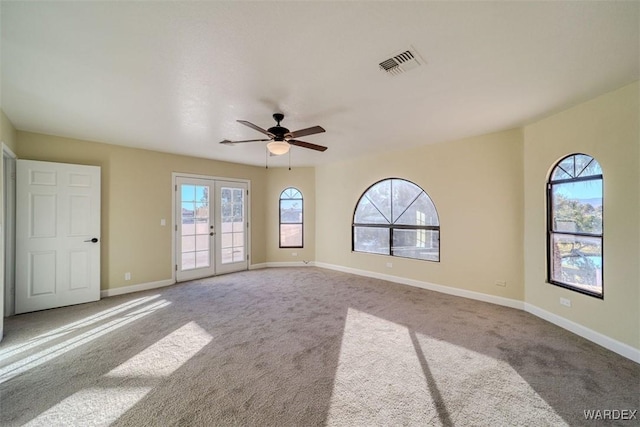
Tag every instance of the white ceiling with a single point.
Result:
(175, 76)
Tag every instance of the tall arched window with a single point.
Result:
(574, 225)
(291, 218)
(396, 217)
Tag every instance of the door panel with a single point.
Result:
(195, 229)
(58, 215)
(231, 241)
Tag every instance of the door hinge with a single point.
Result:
(247, 225)
(247, 192)
(176, 267)
(247, 257)
(176, 227)
(176, 188)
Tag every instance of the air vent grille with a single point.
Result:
(400, 62)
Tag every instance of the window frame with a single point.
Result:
(280, 223)
(392, 226)
(550, 231)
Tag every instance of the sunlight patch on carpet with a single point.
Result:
(98, 406)
(482, 389)
(66, 329)
(165, 356)
(12, 370)
(390, 375)
(379, 380)
(91, 407)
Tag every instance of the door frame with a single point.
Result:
(8, 233)
(174, 223)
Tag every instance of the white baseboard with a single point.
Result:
(507, 302)
(136, 288)
(290, 264)
(593, 336)
(622, 349)
(258, 266)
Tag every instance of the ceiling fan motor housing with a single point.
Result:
(278, 130)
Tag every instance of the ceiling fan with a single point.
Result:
(281, 139)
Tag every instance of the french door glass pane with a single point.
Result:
(188, 260)
(202, 259)
(195, 226)
(232, 225)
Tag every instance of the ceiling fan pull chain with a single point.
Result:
(289, 159)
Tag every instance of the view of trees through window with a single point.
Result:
(291, 223)
(396, 217)
(575, 224)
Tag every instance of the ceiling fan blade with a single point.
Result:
(308, 131)
(226, 141)
(307, 145)
(258, 128)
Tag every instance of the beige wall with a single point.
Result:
(476, 185)
(607, 129)
(136, 195)
(304, 180)
(7, 132)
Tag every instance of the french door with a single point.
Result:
(211, 227)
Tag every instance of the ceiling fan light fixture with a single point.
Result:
(278, 148)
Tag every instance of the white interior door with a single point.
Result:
(232, 227)
(194, 229)
(57, 235)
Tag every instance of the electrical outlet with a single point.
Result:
(501, 283)
(294, 253)
(565, 301)
(163, 222)
(127, 276)
(390, 265)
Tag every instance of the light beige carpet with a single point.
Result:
(303, 347)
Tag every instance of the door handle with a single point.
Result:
(212, 233)
(94, 240)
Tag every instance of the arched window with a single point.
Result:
(291, 218)
(396, 217)
(574, 225)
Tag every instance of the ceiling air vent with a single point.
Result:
(399, 63)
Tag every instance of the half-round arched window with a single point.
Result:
(291, 218)
(396, 217)
(574, 225)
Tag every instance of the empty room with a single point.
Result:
(280, 213)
